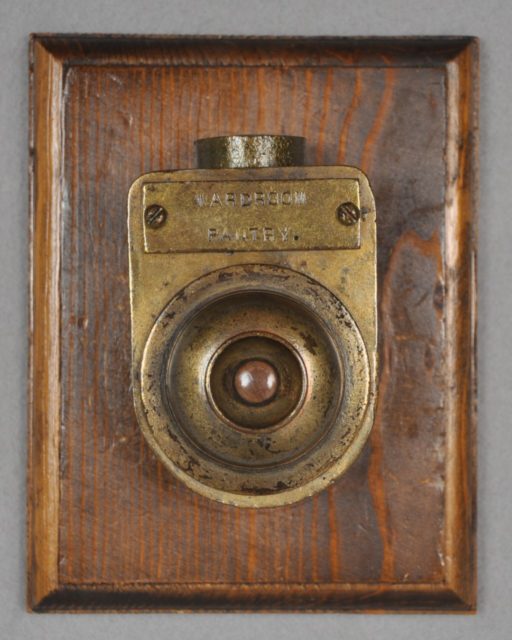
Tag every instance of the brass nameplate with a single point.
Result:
(251, 215)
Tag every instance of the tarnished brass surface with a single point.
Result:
(244, 152)
(245, 213)
(201, 314)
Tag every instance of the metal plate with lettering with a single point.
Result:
(251, 215)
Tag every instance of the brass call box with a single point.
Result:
(254, 320)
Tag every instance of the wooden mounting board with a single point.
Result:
(109, 528)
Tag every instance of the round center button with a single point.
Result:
(256, 382)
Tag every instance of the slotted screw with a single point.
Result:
(348, 213)
(155, 215)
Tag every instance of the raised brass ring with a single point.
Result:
(272, 453)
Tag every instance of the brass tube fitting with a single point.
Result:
(250, 151)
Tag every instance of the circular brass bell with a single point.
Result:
(255, 384)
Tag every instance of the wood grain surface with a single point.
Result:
(109, 527)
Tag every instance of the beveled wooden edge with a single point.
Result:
(462, 82)
(300, 598)
(289, 51)
(49, 56)
(44, 337)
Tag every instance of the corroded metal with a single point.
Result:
(213, 316)
(250, 151)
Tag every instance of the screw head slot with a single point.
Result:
(155, 215)
(348, 213)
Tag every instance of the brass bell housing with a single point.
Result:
(254, 365)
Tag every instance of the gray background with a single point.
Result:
(491, 20)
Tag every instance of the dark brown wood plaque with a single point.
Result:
(109, 527)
